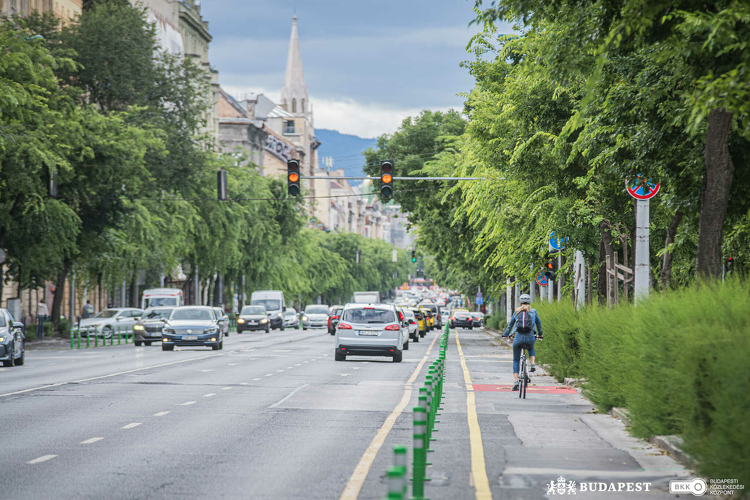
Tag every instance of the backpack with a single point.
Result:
(524, 322)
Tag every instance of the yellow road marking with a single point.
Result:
(351, 491)
(478, 467)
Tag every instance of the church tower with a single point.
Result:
(294, 94)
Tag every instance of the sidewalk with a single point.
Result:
(520, 446)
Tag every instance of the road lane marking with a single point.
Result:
(92, 440)
(41, 459)
(298, 364)
(279, 371)
(305, 362)
(209, 395)
(206, 371)
(233, 364)
(289, 367)
(355, 367)
(344, 374)
(288, 396)
(161, 413)
(256, 379)
(130, 426)
(187, 403)
(269, 374)
(244, 383)
(351, 491)
(225, 388)
(478, 466)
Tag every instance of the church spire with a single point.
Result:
(294, 95)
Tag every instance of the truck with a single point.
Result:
(366, 298)
(273, 301)
(162, 297)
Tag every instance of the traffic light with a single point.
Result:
(730, 264)
(550, 266)
(221, 184)
(413, 255)
(386, 178)
(292, 177)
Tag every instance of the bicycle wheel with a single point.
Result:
(521, 376)
(525, 384)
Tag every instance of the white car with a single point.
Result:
(291, 318)
(110, 322)
(411, 322)
(315, 316)
(371, 330)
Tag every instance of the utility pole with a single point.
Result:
(508, 302)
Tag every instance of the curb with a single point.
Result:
(574, 382)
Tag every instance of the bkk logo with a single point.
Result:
(561, 487)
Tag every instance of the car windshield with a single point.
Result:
(462, 315)
(253, 310)
(316, 309)
(369, 316)
(107, 313)
(289, 312)
(158, 314)
(191, 314)
(161, 301)
(2, 320)
(269, 304)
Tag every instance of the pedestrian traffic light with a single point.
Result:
(550, 266)
(292, 177)
(221, 184)
(413, 255)
(386, 178)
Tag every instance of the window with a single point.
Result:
(192, 314)
(369, 316)
(158, 314)
(251, 310)
(107, 313)
(294, 105)
(303, 105)
(289, 126)
(269, 304)
(316, 309)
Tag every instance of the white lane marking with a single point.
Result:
(269, 374)
(289, 367)
(233, 364)
(58, 384)
(92, 440)
(288, 396)
(206, 371)
(41, 459)
(298, 364)
(187, 403)
(305, 361)
(279, 371)
(344, 374)
(256, 379)
(325, 354)
(209, 395)
(355, 368)
(130, 426)
(283, 350)
(244, 383)
(225, 388)
(161, 413)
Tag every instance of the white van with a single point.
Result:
(162, 297)
(273, 301)
(366, 298)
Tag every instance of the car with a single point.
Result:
(253, 318)
(477, 319)
(421, 321)
(371, 330)
(334, 316)
(315, 316)
(412, 323)
(291, 318)
(273, 301)
(110, 322)
(192, 326)
(429, 318)
(462, 319)
(435, 310)
(12, 340)
(223, 319)
(148, 328)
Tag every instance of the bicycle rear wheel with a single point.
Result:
(522, 377)
(525, 384)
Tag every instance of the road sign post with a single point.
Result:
(642, 190)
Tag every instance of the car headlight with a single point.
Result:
(304, 318)
(240, 320)
(3, 339)
(211, 330)
(138, 327)
(264, 321)
(279, 315)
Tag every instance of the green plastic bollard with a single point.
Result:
(119, 338)
(72, 336)
(87, 339)
(78, 334)
(420, 453)
(396, 479)
(96, 338)
(112, 339)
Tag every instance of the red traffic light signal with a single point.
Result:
(292, 177)
(386, 178)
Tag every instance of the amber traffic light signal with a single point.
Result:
(386, 178)
(292, 177)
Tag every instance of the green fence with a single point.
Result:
(122, 334)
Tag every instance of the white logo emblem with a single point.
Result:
(561, 487)
(190, 331)
(697, 486)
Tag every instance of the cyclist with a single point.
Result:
(524, 340)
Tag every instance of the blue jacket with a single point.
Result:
(535, 321)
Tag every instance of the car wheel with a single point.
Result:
(339, 356)
(148, 343)
(215, 347)
(416, 338)
(11, 360)
(282, 327)
(422, 335)
(226, 334)
(406, 346)
(398, 357)
(304, 328)
(333, 332)
(137, 343)
(108, 331)
(268, 329)
(221, 345)
(20, 361)
(167, 347)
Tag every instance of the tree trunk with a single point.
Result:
(715, 197)
(665, 276)
(217, 284)
(59, 290)
(589, 274)
(607, 243)
(624, 241)
(601, 283)
(134, 290)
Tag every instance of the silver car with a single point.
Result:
(223, 320)
(291, 318)
(371, 330)
(110, 322)
(315, 316)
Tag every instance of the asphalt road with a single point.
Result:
(273, 416)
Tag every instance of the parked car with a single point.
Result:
(12, 340)
(371, 330)
(192, 326)
(477, 319)
(412, 323)
(291, 318)
(462, 319)
(110, 322)
(273, 301)
(334, 315)
(148, 328)
(223, 319)
(315, 316)
(253, 318)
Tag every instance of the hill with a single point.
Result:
(346, 150)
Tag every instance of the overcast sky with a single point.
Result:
(368, 64)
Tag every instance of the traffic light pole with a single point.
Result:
(397, 178)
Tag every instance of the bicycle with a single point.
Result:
(523, 374)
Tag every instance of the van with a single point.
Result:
(366, 298)
(273, 301)
(162, 297)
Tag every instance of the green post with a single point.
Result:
(396, 478)
(400, 461)
(88, 337)
(72, 336)
(78, 334)
(119, 337)
(96, 338)
(420, 454)
(112, 339)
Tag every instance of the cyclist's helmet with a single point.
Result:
(525, 298)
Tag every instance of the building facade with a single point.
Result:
(66, 10)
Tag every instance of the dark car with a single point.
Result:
(12, 340)
(149, 327)
(478, 319)
(333, 318)
(192, 326)
(253, 318)
(462, 319)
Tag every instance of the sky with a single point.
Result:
(368, 64)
